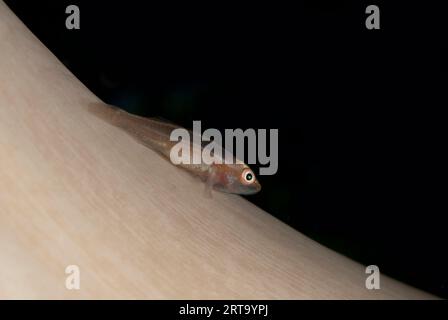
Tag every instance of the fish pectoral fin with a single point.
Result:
(208, 191)
(210, 182)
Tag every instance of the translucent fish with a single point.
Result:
(154, 133)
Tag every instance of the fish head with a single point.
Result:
(236, 178)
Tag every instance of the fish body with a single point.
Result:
(153, 133)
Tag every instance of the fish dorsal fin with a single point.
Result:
(164, 120)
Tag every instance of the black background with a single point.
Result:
(359, 112)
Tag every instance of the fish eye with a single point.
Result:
(248, 176)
